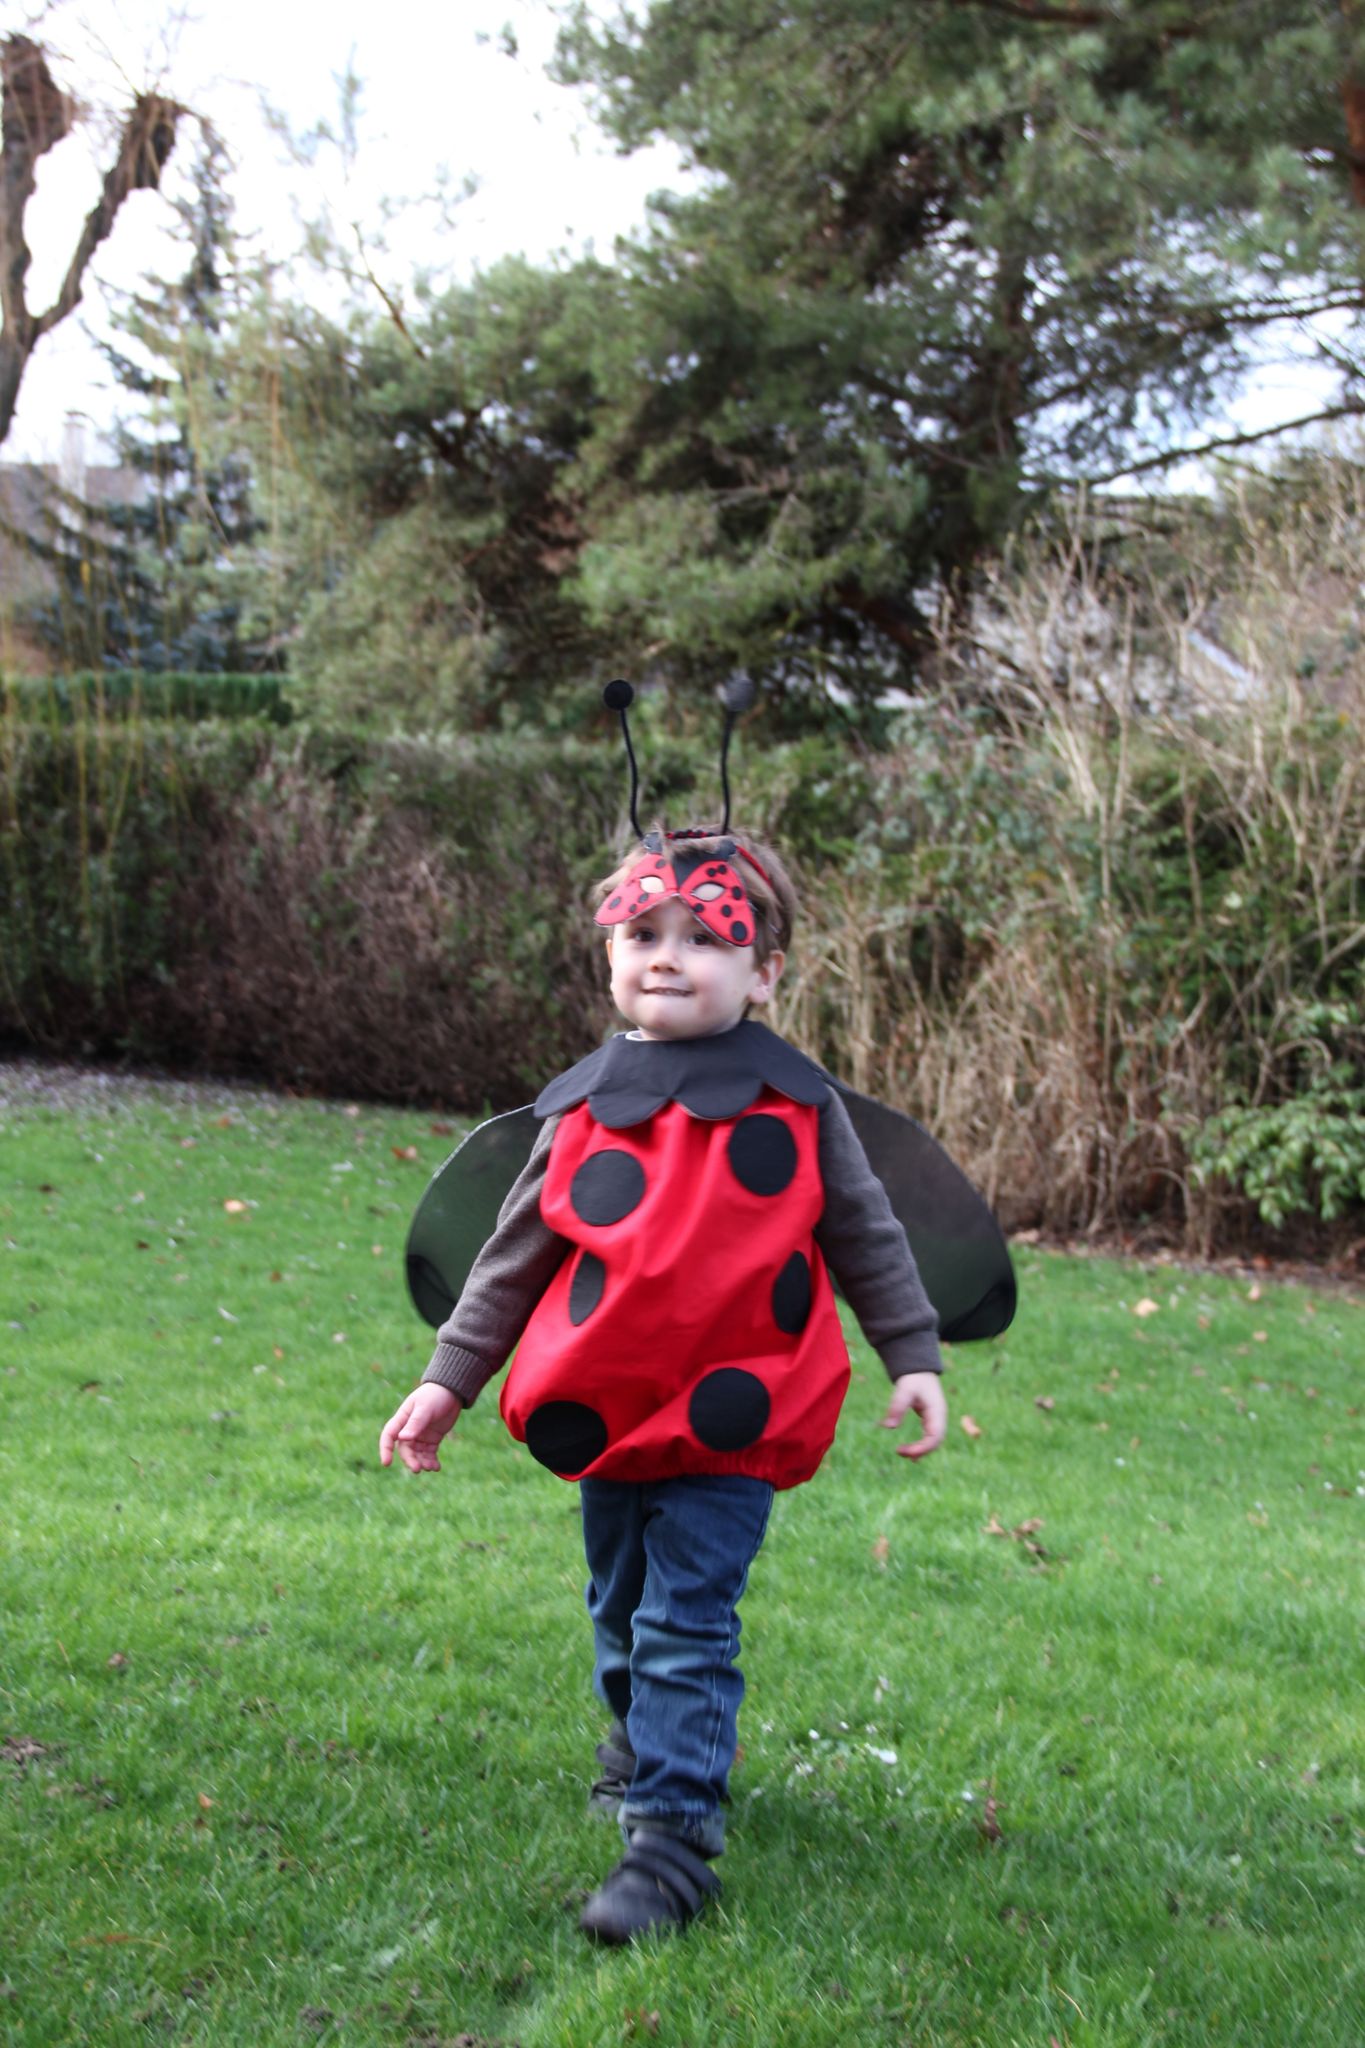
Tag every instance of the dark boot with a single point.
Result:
(617, 1759)
(659, 1882)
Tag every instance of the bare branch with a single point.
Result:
(146, 141)
(34, 115)
(1349, 409)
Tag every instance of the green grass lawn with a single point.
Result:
(1055, 1739)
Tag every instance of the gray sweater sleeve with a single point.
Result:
(505, 1282)
(866, 1250)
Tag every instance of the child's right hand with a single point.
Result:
(429, 1413)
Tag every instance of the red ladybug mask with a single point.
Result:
(710, 884)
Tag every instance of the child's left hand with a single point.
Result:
(922, 1391)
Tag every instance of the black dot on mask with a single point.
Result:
(739, 932)
(762, 1151)
(791, 1296)
(565, 1435)
(729, 1409)
(615, 903)
(606, 1187)
(726, 911)
(585, 1289)
(736, 893)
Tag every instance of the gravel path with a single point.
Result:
(28, 1084)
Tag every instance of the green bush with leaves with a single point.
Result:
(1305, 1156)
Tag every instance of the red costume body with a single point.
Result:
(693, 1329)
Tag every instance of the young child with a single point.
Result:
(663, 1264)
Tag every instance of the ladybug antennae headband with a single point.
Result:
(710, 884)
(619, 696)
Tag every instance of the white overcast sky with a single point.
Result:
(440, 96)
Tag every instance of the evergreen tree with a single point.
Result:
(942, 259)
(946, 256)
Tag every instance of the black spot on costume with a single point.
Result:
(585, 1290)
(607, 1187)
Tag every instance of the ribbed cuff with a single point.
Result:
(459, 1371)
(916, 1351)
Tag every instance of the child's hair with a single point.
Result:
(774, 900)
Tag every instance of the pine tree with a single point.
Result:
(946, 256)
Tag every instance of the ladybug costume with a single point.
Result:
(694, 1333)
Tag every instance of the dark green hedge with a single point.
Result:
(402, 919)
(1067, 992)
(145, 693)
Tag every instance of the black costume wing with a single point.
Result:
(958, 1246)
(456, 1216)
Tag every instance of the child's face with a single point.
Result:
(673, 980)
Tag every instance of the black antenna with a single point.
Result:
(736, 695)
(619, 696)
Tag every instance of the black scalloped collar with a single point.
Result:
(628, 1080)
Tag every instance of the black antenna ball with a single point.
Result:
(618, 696)
(737, 695)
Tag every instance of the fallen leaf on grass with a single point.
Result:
(642, 2022)
(1146, 1307)
(988, 1826)
(22, 1750)
(969, 1427)
(1044, 1401)
(441, 1130)
(403, 1151)
(1254, 1291)
(1025, 1533)
(881, 1551)
(205, 1801)
(235, 1208)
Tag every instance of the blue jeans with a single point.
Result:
(669, 1560)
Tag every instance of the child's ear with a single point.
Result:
(768, 976)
